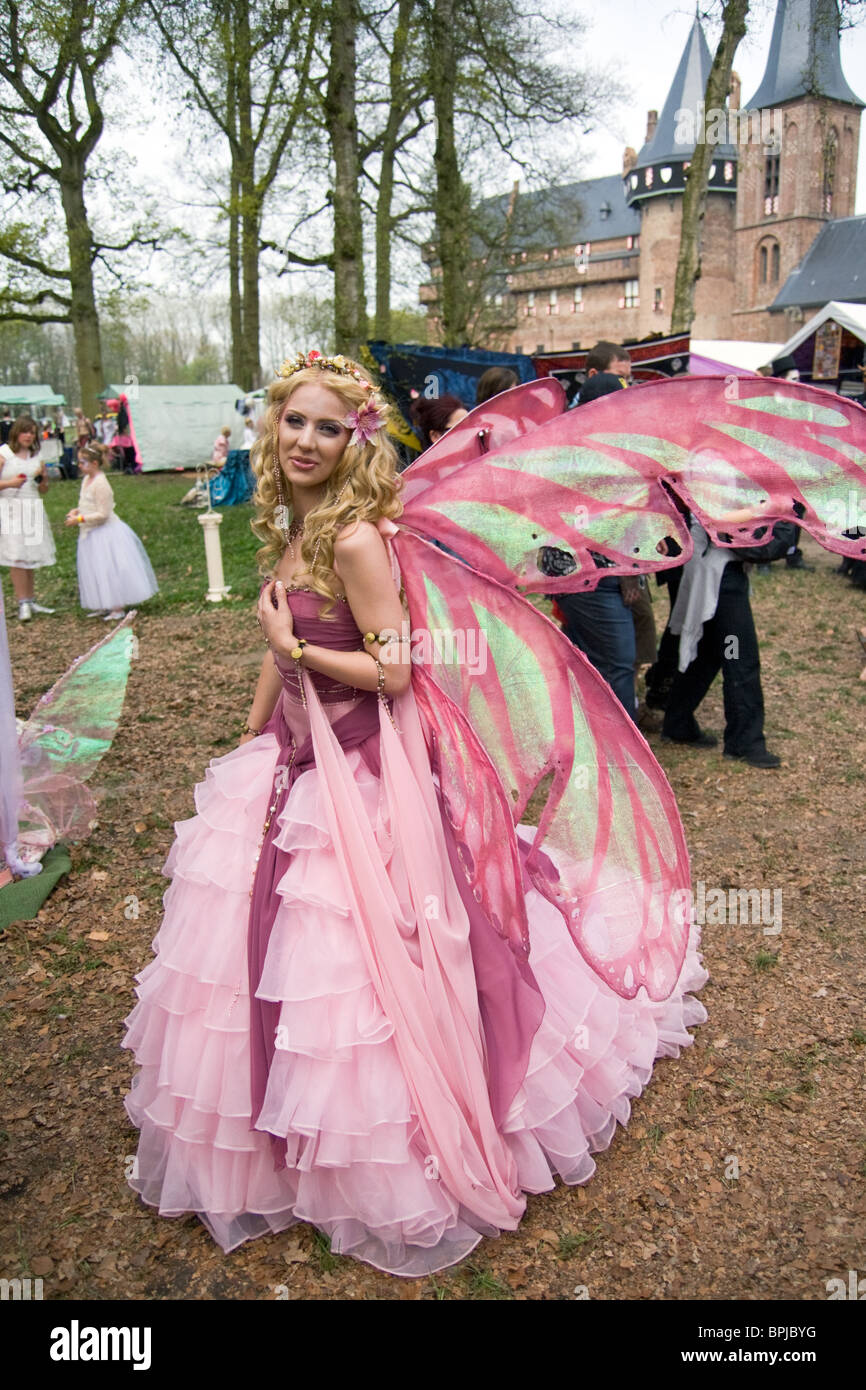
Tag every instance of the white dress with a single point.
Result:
(26, 541)
(113, 567)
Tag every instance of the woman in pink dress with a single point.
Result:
(334, 1028)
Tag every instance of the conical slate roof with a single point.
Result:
(804, 56)
(687, 91)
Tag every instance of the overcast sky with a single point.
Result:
(638, 41)
(642, 41)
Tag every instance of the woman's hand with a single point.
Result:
(18, 481)
(275, 618)
(42, 484)
(245, 738)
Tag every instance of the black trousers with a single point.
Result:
(730, 644)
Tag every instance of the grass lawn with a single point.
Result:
(171, 534)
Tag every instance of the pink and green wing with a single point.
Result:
(548, 725)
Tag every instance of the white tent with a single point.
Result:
(850, 316)
(750, 356)
(29, 396)
(176, 426)
(832, 356)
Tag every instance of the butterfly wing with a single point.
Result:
(739, 452)
(69, 731)
(550, 728)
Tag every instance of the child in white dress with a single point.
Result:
(26, 542)
(113, 567)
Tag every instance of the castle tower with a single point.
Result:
(655, 184)
(800, 171)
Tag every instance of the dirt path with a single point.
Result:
(743, 1171)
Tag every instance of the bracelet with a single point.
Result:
(296, 653)
(248, 730)
(380, 688)
(370, 637)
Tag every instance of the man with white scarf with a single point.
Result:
(713, 618)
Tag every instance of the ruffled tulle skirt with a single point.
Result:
(358, 1165)
(114, 570)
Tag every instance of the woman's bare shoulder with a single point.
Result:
(358, 538)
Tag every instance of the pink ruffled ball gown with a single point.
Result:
(393, 1075)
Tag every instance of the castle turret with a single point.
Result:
(804, 58)
(801, 171)
(655, 184)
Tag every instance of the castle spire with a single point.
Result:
(660, 168)
(804, 57)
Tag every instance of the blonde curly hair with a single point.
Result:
(364, 486)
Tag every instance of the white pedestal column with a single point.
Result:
(217, 587)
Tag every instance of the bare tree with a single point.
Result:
(247, 65)
(53, 72)
(734, 17)
(350, 311)
(498, 87)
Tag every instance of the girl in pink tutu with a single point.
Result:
(336, 1027)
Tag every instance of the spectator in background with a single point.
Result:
(83, 428)
(713, 618)
(605, 359)
(600, 622)
(123, 437)
(5, 425)
(786, 369)
(434, 417)
(493, 382)
(221, 447)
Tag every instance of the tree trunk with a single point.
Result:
(235, 315)
(384, 227)
(450, 200)
(83, 314)
(250, 207)
(350, 313)
(697, 179)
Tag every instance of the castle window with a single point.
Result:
(539, 347)
(729, 172)
(830, 151)
(658, 297)
(769, 262)
(530, 303)
(553, 302)
(632, 296)
(648, 178)
(771, 183)
(577, 299)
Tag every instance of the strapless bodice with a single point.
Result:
(339, 631)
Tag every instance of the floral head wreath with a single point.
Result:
(364, 422)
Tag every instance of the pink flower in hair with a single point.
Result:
(364, 422)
